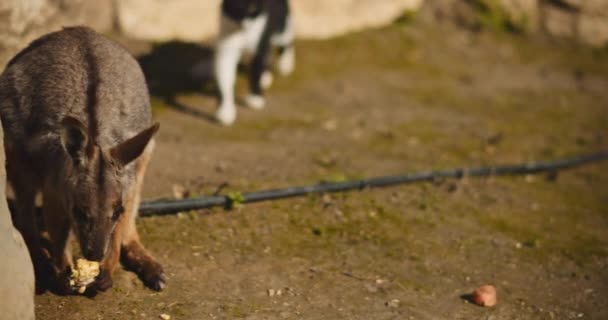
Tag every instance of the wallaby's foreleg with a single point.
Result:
(25, 222)
(110, 261)
(58, 226)
(125, 223)
(133, 254)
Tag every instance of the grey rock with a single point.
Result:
(16, 270)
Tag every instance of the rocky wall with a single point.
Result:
(195, 20)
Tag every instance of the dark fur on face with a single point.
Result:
(97, 203)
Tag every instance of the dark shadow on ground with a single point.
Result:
(173, 103)
(174, 68)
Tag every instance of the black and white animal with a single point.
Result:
(252, 27)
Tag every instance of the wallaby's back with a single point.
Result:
(73, 72)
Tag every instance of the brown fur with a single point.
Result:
(78, 129)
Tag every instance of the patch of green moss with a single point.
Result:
(407, 17)
(158, 106)
(493, 16)
(582, 249)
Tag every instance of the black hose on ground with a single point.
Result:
(166, 207)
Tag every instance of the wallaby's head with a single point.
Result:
(97, 182)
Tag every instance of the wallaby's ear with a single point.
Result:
(74, 138)
(129, 150)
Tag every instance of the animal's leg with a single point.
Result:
(24, 219)
(110, 261)
(287, 57)
(227, 57)
(58, 226)
(259, 66)
(287, 51)
(133, 254)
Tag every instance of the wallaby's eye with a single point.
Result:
(118, 211)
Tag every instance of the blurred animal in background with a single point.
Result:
(254, 27)
(78, 130)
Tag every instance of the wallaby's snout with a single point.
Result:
(94, 245)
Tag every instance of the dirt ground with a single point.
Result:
(396, 100)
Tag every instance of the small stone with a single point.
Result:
(165, 316)
(371, 288)
(271, 292)
(180, 192)
(413, 141)
(485, 296)
(330, 125)
(393, 303)
(221, 167)
(490, 149)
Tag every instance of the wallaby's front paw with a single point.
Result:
(255, 101)
(152, 274)
(156, 281)
(103, 281)
(45, 275)
(226, 115)
(63, 284)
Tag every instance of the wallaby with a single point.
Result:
(251, 26)
(78, 130)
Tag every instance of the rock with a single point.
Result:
(165, 316)
(24, 20)
(558, 22)
(485, 296)
(194, 20)
(524, 13)
(322, 19)
(180, 192)
(16, 270)
(593, 29)
(583, 20)
(160, 20)
(393, 303)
